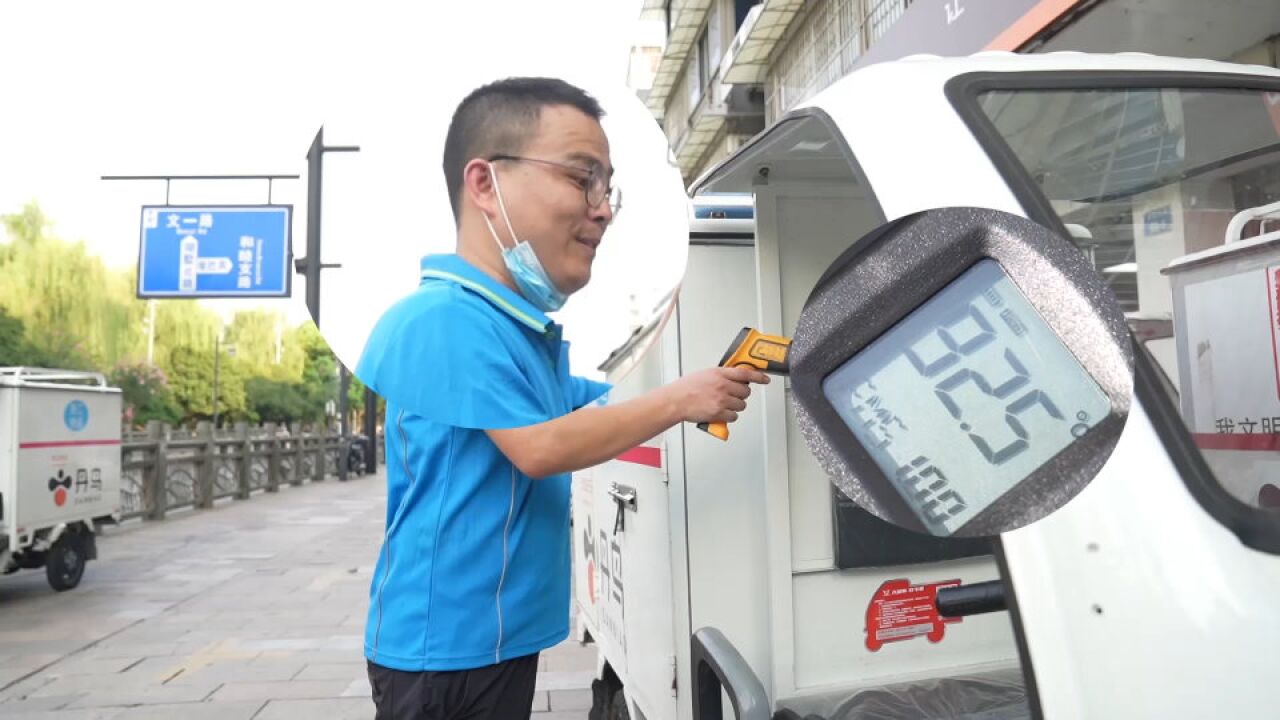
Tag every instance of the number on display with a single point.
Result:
(958, 347)
(929, 488)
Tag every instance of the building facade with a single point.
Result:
(720, 71)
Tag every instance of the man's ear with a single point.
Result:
(477, 186)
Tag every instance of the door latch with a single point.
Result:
(625, 498)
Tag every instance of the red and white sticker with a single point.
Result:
(901, 611)
(643, 455)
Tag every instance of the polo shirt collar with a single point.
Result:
(453, 268)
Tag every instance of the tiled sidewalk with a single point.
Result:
(254, 609)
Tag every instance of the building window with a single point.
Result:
(882, 15)
(704, 58)
(711, 45)
(822, 47)
(676, 120)
(695, 71)
(740, 10)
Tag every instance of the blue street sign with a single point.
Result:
(215, 251)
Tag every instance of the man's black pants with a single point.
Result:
(496, 692)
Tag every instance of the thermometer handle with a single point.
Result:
(752, 348)
(719, 430)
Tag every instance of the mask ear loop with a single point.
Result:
(497, 190)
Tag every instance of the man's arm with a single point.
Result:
(593, 435)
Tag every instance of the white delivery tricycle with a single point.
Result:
(736, 578)
(60, 433)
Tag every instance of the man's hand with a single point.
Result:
(714, 395)
(593, 435)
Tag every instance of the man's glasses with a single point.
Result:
(594, 184)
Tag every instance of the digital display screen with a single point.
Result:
(965, 397)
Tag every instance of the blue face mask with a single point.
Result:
(522, 262)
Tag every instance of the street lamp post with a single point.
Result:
(310, 266)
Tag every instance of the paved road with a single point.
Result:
(254, 609)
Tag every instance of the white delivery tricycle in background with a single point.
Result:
(722, 579)
(59, 469)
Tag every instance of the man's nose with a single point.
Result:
(602, 213)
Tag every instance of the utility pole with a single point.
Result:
(217, 361)
(217, 354)
(151, 331)
(371, 430)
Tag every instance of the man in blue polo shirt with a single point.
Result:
(484, 420)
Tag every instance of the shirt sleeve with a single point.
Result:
(440, 356)
(583, 392)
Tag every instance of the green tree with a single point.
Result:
(355, 393)
(14, 348)
(319, 372)
(259, 339)
(293, 354)
(77, 313)
(275, 400)
(13, 339)
(27, 227)
(191, 377)
(147, 395)
(183, 324)
(233, 400)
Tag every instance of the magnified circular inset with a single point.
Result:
(961, 372)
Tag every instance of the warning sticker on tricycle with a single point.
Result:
(901, 611)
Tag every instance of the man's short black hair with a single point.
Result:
(499, 119)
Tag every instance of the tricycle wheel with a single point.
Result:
(64, 563)
(618, 706)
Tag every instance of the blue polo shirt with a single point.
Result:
(474, 567)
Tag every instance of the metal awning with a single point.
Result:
(747, 59)
(687, 17)
(653, 9)
(703, 129)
